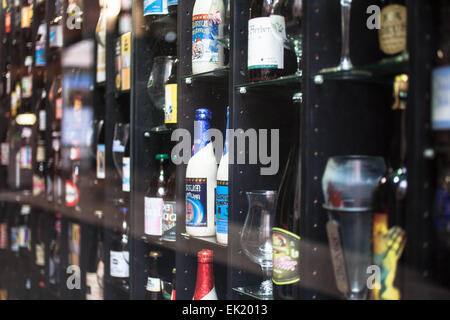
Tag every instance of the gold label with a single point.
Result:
(393, 30)
(126, 61)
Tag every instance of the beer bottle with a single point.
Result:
(205, 288)
(153, 287)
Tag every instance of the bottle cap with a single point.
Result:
(203, 114)
(205, 256)
(124, 210)
(155, 254)
(162, 157)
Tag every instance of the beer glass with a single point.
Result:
(256, 238)
(161, 70)
(348, 185)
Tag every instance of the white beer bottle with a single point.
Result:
(207, 27)
(201, 175)
(222, 191)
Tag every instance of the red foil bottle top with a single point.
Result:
(205, 275)
(205, 256)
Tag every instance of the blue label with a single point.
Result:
(126, 186)
(196, 202)
(443, 210)
(155, 7)
(201, 134)
(40, 55)
(173, 2)
(205, 32)
(441, 99)
(222, 207)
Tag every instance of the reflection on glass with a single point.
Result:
(349, 184)
(121, 135)
(162, 68)
(256, 238)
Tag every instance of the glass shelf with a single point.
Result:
(217, 75)
(382, 71)
(293, 81)
(171, 245)
(246, 291)
(209, 240)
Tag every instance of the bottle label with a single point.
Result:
(266, 38)
(40, 55)
(205, 31)
(169, 220)
(153, 285)
(40, 254)
(119, 267)
(101, 64)
(196, 202)
(171, 106)
(126, 186)
(126, 61)
(72, 194)
(15, 239)
(26, 158)
(27, 14)
(118, 63)
(59, 108)
(24, 237)
(8, 22)
(40, 153)
(56, 36)
(5, 154)
(222, 207)
(155, 7)
(172, 2)
(94, 283)
(441, 98)
(392, 34)
(38, 185)
(286, 253)
(27, 86)
(153, 216)
(101, 161)
(3, 236)
(42, 120)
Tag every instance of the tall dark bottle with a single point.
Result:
(392, 34)
(160, 213)
(266, 36)
(286, 230)
(119, 252)
(153, 287)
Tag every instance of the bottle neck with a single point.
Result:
(201, 135)
(205, 280)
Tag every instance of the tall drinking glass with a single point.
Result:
(345, 63)
(256, 238)
(349, 184)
